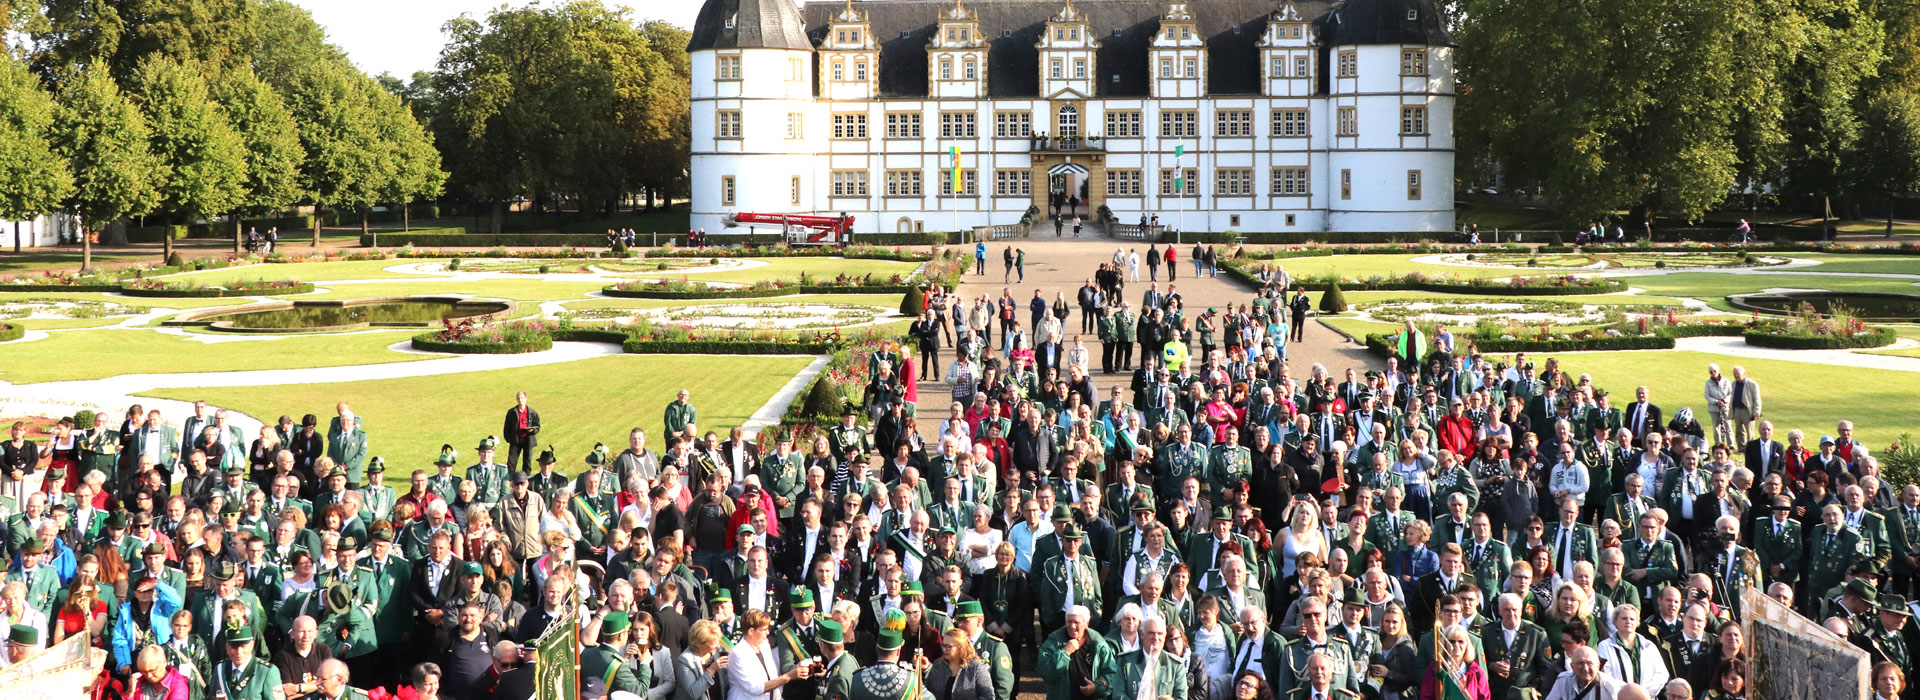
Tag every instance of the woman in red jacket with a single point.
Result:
(1457, 431)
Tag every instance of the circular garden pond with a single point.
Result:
(284, 316)
(1867, 306)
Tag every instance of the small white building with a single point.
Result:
(41, 232)
(1247, 115)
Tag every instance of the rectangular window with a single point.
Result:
(728, 125)
(849, 126)
(1178, 183)
(1278, 68)
(1290, 220)
(1179, 123)
(1302, 67)
(903, 183)
(1055, 65)
(1413, 184)
(796, 125)
(903, 125)
(1289, 123)
(794, 188)
(860, 71)
(973, 70)
(1413, 62)
(1013, 183)
(1193, 67)
(1233, 122)
(1413, 120)
(969, 182)
(1290, 182)
(1123, 183)
(796, 69)
(1166, 68)
(1012, 125)
(957, 125)
(1079, 68)
(1349, 121)
(728, 68)
(1123, 125)
(839, 70)
(849, 183)
(726, 190)
(853, 37)
(1346, 184)
(946, 70)
(1349, 64)
(1231, 182)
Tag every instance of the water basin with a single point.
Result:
(285, 316)
(1868, 306)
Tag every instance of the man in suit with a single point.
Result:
(1572, 541)
(1743, 406)
(1732, 567)
(209, 606)
(157, 441)
(1903, 533)
(1429, 589)
(1067, 580)
(1517, 651)
(1871, 526)
(758, 587)
(432, 585)
(1624, 508)
(1764, 455)
(1488, 559)
(1777, 544)
(1203, 549)
(1386, 530)
(1642, 415)
(1689, 652)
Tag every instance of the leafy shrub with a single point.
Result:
(913, 302)
(84, 419)
(176, 260)
(1333, 301)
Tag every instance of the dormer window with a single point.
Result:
(1413, 14)
(854, 36)
(733, 20)
(1186, 33)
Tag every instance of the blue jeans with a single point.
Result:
(1196, 267)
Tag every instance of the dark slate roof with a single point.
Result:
(1358, 22)
(757, 24)
(1125, 29)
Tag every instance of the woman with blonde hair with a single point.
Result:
(959, 674)
(1302, 534)
(154, 679)
(1461, 664)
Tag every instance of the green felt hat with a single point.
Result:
(156, 548)
(1071, 531)
(339, 472)
(376, 466)
(547, 456)
(614, 624)
(598, 456)
(888, 640)
(229, 508)
(348, 544)
(1061, 514)
(226, 570)
(24, 635)
(1221, 513)
(800, 598)
(488, 443)
(382, 534)
(1863, 590)
(36, 546)
(117, 520)
(238, 633)
(721, 595)
(447, 456)
(233, 470)
(339, 598)
(913, 588)
(830, 632)
(967, 608)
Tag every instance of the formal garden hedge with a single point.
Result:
(710, 292)
(1771, 336)
(1654, 337)
(425, 342)
(1535, 285)
(9, 331)
(156, 288)
(457, 237)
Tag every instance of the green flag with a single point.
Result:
(1179, 183)
(1450, 687)
(557, 674)
(1179, 151)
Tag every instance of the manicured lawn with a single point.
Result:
(1710, 286)
(580, 403)
(151, 302)
(518, 290)
(44, 324)
(1801, 395)
(1891, 264)
(108, 352)
(1365, 266)
(305, 272)
(1904, 332)
(1598, 299)
(790, 268)
(69, 261)
(885, 301)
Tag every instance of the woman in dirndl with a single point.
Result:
(63, 454)
(19, 459)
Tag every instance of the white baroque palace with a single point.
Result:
(1248, 115)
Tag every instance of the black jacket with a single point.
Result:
(1033, 450)
(927, 332)
(510, 427)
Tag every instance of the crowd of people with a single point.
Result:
(1222, 527)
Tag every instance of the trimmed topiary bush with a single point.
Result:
(9, 331)
(913, 302)
(1333, 301)
(176, 260)
(822, 402)
(83, 419)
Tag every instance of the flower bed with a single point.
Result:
(259, 287)
(65, 309)
(1541, 285)
(1502, 311)
(477, 336)
(688, 289)
(1808, 329)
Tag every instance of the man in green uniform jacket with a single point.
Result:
(1231, 465)
(243, 675)
(489, 478)
(347, 447)
(681, 416)
(1148, 673)
(41, 580)
(376, 498)
(840, 665)
(1071, 574)
(393, 614)
(607, 661)
(1073, 659)
(347, 630)
(1831, 549)
(794, 643)
(784, 474)
(970, 618)
(209, 616)
(848, 436)
(1651, 562)
(1178, 460)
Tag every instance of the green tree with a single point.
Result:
(274, 155)
(1626, 103)
(216, 34)
(666, 128)
(1889, 147)
(1822, 99)
(33, 178)
(343, 165)
(204, 157)
(412, 164)
(104, 139)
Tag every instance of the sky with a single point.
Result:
(403, 36)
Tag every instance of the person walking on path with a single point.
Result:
(1006, 256)
(1020, 264)
(1076, 225)
(1153, 263)
(980, 257)
(1133, 266)
(1089, 299)
(1173, 264)
(1059, 223)
(1199, 260)
(1300, 306)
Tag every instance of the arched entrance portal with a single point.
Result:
(1067, 186)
